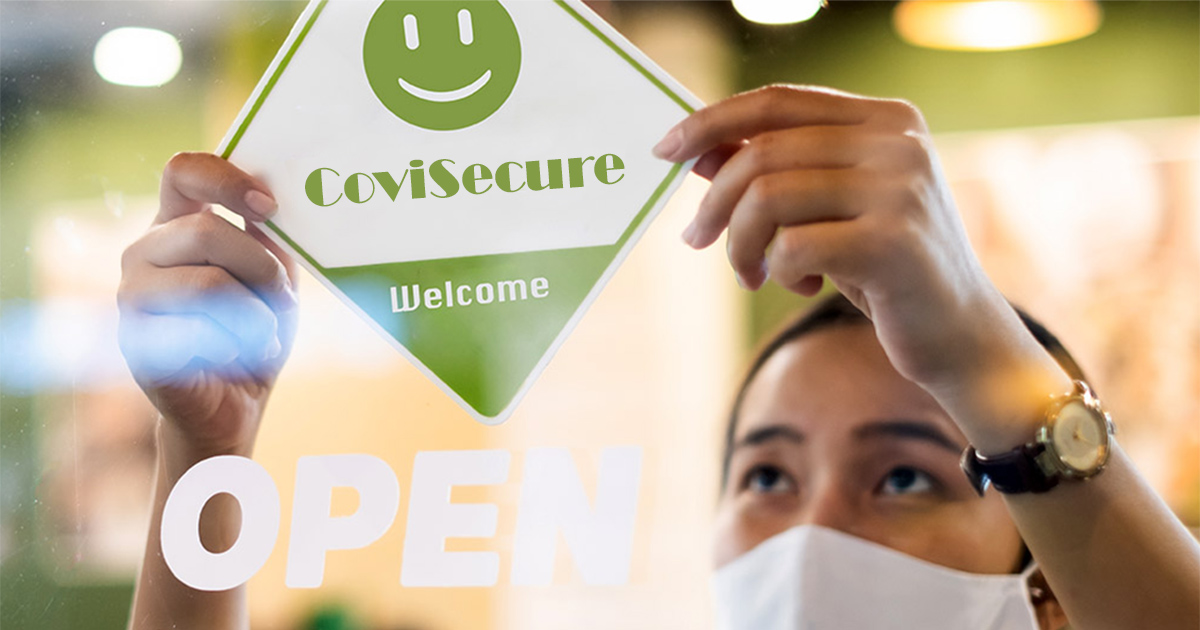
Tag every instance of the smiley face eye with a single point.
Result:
(410, 32)
(466, 32)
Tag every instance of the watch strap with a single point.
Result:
(1013, 472)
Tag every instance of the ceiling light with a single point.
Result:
(142, 57)
(995, 24)
(777, 11)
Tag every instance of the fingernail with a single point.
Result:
(289, 297)
(689, 235)
(262, 205)
(669, 145)
(741, 282)
(274, 348)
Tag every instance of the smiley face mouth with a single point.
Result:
(449, 95)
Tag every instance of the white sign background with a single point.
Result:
(575, 97)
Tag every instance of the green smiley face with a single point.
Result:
(442, 64)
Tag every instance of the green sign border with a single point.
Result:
(637, 223)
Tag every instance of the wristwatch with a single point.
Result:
(1073, 442)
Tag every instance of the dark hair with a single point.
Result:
(836, 311)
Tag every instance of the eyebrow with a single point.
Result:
(769, 433)
(910, 430)
(895, 428)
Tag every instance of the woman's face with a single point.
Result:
(829, 434)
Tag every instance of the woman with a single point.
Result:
(842, 437)
(875, 457)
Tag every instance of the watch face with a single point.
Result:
(1080, 437)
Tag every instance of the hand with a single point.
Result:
(208, 311)
(811, 182)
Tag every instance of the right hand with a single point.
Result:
(809, 182)
(208, 311)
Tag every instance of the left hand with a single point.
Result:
(208, 311)
(811, 182)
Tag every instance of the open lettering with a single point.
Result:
(476, 179)
(598, 532)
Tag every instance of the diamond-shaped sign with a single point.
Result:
(466, 175)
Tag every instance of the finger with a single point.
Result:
(801, 254)
(787, 199)
(192, 181)
(746, 115)
(209, 291)
(808, 286)
(289, 264)
(206, 239)
(287, 317)
(822, 147)
(159, 348)
(711, 162)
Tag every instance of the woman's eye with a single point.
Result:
(907, 480)
(768, 480)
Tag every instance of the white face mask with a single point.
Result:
(815, 578)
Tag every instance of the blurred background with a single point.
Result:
(1070, 130)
